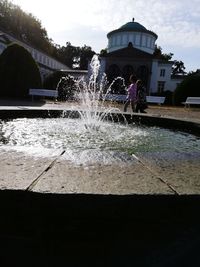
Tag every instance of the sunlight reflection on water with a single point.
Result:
(111, 142)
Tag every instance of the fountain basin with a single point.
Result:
(145, 172)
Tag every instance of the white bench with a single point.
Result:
(43, 92)
(155, 99)
(191, 101)
(122, 98)
(114, 97)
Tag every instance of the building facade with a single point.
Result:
(131, 51)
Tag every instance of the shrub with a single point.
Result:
(168, 97)
(18, 72)
(118, 87)
(190, 86)
(52, 80)
(65, 84)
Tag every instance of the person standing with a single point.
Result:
(132, 94)
(141, 103)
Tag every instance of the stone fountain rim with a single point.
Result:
(168, 122)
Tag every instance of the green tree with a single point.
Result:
(24, 27)
(85, 56)
(74, 56)
(18, 72)
(103, 52)
(159, 54)
(27, 28)
(6, 15)
(67, 54)
(64, 83)
(52, 80)
(190, 86)
(178, 67)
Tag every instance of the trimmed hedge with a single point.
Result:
(18, 72)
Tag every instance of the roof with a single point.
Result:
(75, 71)
(10, 38)
(129, 51)
(132, 26)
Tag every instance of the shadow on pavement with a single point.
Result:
(22, 102)
(98, 230)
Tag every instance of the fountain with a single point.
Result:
(91, 96)
(98, 185)
(93, 137)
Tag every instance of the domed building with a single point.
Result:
(130, 50)
(132, 33)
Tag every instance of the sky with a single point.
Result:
(87, 22)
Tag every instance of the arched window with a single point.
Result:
(112, 72)
(142, 73)
(127, 72)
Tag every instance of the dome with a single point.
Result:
(132, 33)
(132, 26)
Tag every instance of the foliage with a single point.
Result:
(118, 87)
(103, 52)
(23, 26)
(168, 97)
(74, 56)
(159, 54)
(28, 29)
(66, 88)
(197, 72)
(18, 72)
(62, 82)
(85, 56)
(52, 80)
(67, 54)
(178, 67)
(190, 86)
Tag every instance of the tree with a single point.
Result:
(28, 29)
(64, 83)
(74, 56)
(159, 54)
(178, 67)
(103, 52)
(23, 26)
(188, 87)
(86, 55)
(67, 54)
(52, 80)
(18, 72)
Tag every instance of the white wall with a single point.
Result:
(140, 40)
(174, 82)
(154, 74)
(170, 84)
